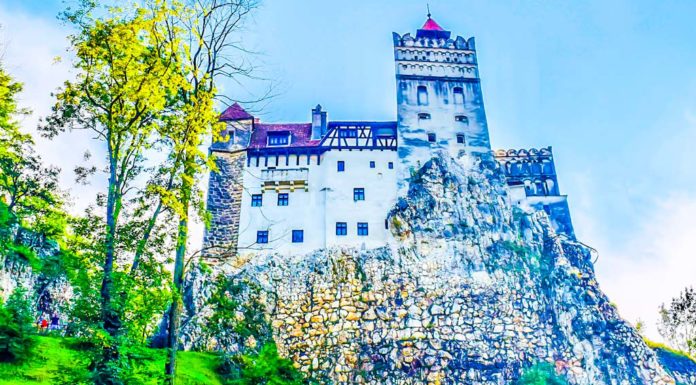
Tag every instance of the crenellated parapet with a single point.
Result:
(532, 168)
(531, 177)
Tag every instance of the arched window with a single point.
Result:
(458, 95)
(422, 96)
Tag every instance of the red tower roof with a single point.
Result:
(235, 112)
(431, 25)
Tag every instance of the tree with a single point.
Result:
(29, 191)
(677, 324)
(125, 81)
(15, 326)
(205, 31)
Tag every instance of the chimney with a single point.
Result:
(318, 123)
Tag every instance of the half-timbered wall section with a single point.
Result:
(361, 136)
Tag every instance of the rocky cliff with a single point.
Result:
(470, 291)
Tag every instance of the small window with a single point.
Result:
(283, 199)
(359, 194)
(278, 138)
(422, 96)
(347, 133)
(460, 138)
(461, 118)
(256, 200)
(262, 236)
(432, 138)
(341, 228)
(297, 236)
(458, 95)
(341, 166)
(424, 115)
(362, 228)
(391, 165)
(372, 164)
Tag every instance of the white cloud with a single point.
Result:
(656, 265)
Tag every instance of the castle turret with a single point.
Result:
(440, 105)
(238, 129)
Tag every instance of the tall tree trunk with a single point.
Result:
(176, 307)
(110, 317)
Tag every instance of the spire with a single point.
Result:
(431, 29)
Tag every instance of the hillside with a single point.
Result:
(58, 360)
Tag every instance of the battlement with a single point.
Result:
(458, 43)
(533, 168)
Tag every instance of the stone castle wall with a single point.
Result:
(225, 190)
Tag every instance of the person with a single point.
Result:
(55, 322)
(44, 324)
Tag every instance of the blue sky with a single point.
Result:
(611, 85)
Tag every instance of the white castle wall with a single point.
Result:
(329, 199)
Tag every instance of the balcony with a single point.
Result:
(285, 179)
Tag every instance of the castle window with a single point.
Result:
(341, 228)
(461, 118)
(432, 138)
(341, 166)
(372, 164)
(297, 236)
(391, 165)
(458, 95)
(362, 228)
(423, 115)
(460, 138)
(281, 138)
(283, 199)
(262, 236)
(358, 194)
(422, 96)
(348, 133)
(256, 200)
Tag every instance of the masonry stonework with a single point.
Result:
(225, 191)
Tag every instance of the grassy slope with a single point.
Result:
(54, 359)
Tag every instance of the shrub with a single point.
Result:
(541, 374)
(15, 327)
(266, 367)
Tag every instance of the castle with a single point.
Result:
(297, 187)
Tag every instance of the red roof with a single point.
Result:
(301, 134)
(235, 112)
(431, 25)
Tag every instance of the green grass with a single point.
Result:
(54, 359)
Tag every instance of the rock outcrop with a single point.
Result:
(470, 291)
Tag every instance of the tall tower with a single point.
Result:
(440, 105)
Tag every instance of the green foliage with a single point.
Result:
(262, 368)
(236, 309)
(67, 361)
(15, 327)
(677, 323)
(541, 374)
(656, 345)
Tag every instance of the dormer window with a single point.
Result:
(423, 115)
(281, 138)
(461, 118)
